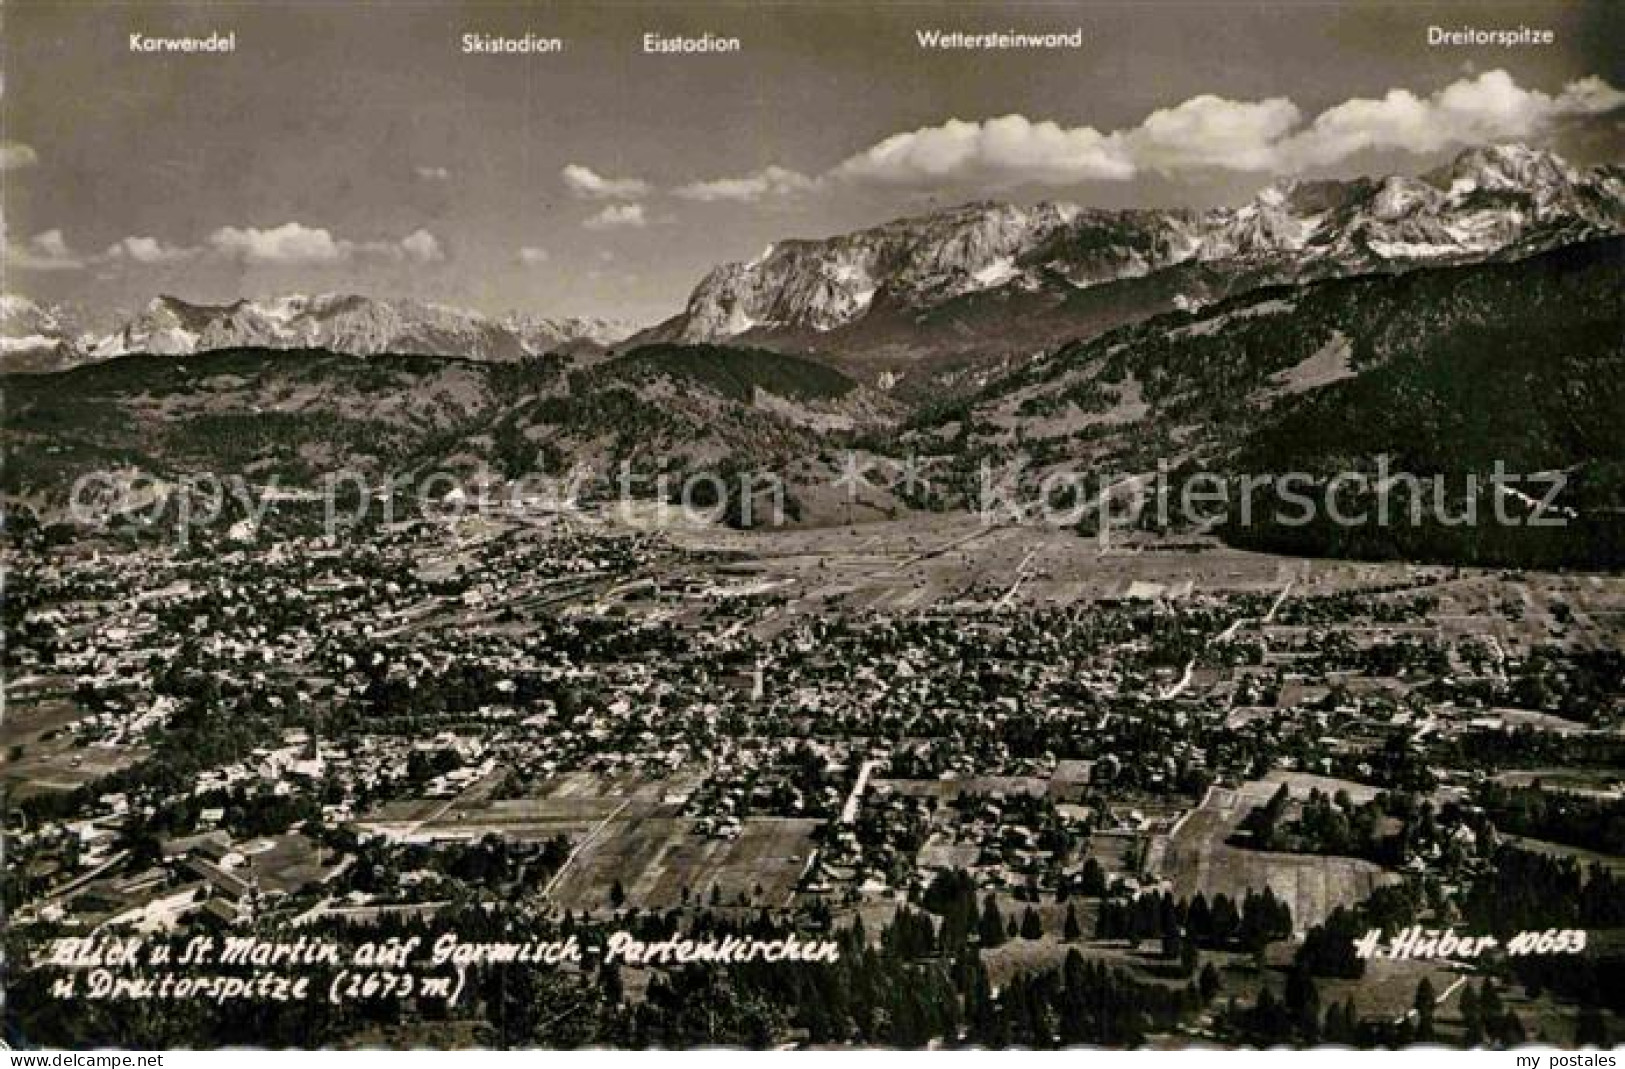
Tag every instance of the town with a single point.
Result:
(1206, 771)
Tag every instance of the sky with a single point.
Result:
(353, 147)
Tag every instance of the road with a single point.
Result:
(590, 838)
(1225, 636)
(1021, 576)
(849, 811)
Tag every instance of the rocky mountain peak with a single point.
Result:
(1505, 167)
(349, 323)
(1488, 201)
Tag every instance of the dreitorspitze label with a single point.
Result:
(1416, 943)
(1500, 38)
(215, 42)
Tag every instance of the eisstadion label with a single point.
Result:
(681, 45)
(1010, 40)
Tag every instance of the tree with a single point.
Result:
(1199, 920)
(1189, 957)
(1092, 882)
(1342, 1023)
(1591, 1030)
(990, 930)
(1423, 1004)
(1072, 931)
(1472, 1024)
(617, 895)
(1303, 1002)
(609, 977)
(1031, 926)
(1268, 1019)
(1208, 983)
(1329, 949)
(1226, 922)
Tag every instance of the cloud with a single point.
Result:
(770, 182)
(1008, 149)
(14, 156)
(584, 182)
(616, 215)
(46, 251)
(286, 245)
(147, 251)
(531, 256)
(1208, 133)
(422, 247)
(1490, 107)
(295, 245)
(51, 243)
(432, 174)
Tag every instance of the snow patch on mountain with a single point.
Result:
(1486, 201)
(356, 325)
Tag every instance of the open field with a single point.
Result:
(1522, 611)
(1585, 858)
(53, 762)
(1196, 857)
(1117, 852)
(286, 863)
(28, 719)
(1299, 784)
(915, 562)
(656, 859)
(944, 789)
(39, 755)
(1591, 782)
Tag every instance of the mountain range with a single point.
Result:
(941, 303)
(1472, 316)
(938, 305)
(37, 338)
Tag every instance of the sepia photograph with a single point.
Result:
(813, 525)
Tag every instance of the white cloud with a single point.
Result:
(422, 246)
(51, 243)
(1490, 107)
(432, 174)
(531, 256)
(616, 215)
(287, 245)
(1004, 150)
(585, 182)
(770, 182)
(14, 156)
(297, 245)
(1212, 133)
(45, 251)
(147, 251)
